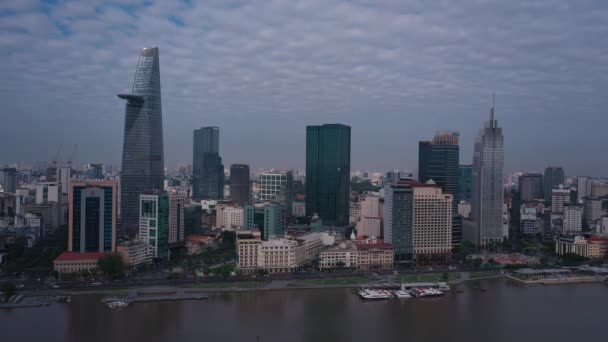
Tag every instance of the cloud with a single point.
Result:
(394, 70)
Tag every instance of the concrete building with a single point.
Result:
(593, 210)
(135, 253)
(71, 262)
(487, 185)
(240, 184)
(531, 186)
(398, 217)
(232, 217)
(274, 223)
(154, 222)
(554, 177)
(560, 197)
(432, 225)
(599, 189)
(177, 234)
(573, 219)
(344, 255)
(530, 220)
(277, 186)
(349, 255)
(354, 213)
(583, 188)
(92, 217)
(593, 248)
(8, 181)
(196, 244)
(278, 254)
(370, 223)
(375, 256)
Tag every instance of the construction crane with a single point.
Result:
(55, 159)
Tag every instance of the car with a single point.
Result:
(395, 273)
(96, 284)
(55, 286)
(20, 286)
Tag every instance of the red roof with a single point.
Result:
(598, 239)
(72, 256)
(375, 245)
(200, 238)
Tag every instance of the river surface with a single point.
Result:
(505, 311)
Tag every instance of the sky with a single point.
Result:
(396, 71)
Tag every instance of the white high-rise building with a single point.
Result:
(231, 217)
(432, 223)
(48, 192)
(583, 187)
(370, 223)
(573, 219)
(559, 197)
(487, 184)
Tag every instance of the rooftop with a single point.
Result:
(375, 246)
(72, 256)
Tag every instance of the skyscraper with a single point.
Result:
(9, 179)
(240, 186)
(277, 186)
(207, 167)
(465, 182)
(554, 176)
(439, 160)
(328, 173)
(398, 219)
(531, 186)
(142, 154)
(487, 187)
(92, 217)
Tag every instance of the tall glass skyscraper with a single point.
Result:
(487, 192)
(240, 184)
(439, 160)
(554, 177)
(328, 173)
(142, 151)
(207, 167)
(465, 182)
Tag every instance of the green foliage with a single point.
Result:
(571, 259)
(8, 288)
(112, 266)
(224, 271)
(445, 276)
(477, 262)
(38, 258)
(340, 263)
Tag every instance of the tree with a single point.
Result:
(340, 264)
(477, 262)
(224, 271)
(445, 276)
(112, 266)
(8, 288)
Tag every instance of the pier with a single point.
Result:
(173, 294)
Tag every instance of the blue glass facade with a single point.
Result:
(142, 159)
(92, 222)
(207, 167)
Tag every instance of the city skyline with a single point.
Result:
(378, 80)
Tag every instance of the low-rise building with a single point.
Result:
(135, 253)
(71, 262)
(196, 244)
(593, 248)
(378, 256)
(277, 255)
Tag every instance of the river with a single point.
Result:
(505, 311)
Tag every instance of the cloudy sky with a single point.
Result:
(395, 70)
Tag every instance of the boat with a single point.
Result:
(402, 294)
(117, 304)
(426, 292)
(374, 294)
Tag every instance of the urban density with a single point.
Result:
(151, 230)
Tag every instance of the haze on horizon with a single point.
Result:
(396, 71)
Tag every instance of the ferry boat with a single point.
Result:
(426, 292)
(374, 294)
(402, 294)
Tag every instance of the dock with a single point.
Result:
(174, 294)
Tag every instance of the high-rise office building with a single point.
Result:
(487, 185)
(92, 217)
(65, 175)
(154, 222)
(328, 173)
(531, 186)
(9, 179)
(438, 160)
(560, 196)
(274, 223)
(398, 219)
(240, 184)
(554, 176)
(95, 171)
(432, 225)
(207, 167)
(465, 182)
(277, 186)
(583, 187)
(142, 156)
(593, 210)
(177, 203)
(573, 219)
